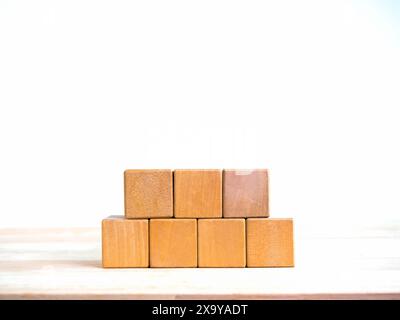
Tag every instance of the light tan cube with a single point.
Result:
(125, 243)
(173, 243)
(198, 193)
(245, 193)
(270, 242)
(222, 243)
(148, 193)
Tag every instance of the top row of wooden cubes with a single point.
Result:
(196, 193)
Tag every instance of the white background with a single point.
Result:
(308, 89)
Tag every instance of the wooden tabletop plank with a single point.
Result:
(66, 263)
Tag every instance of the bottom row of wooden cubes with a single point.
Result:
(172, 243)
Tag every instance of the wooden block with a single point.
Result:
(222, 243)
(173, 243)
(198, 193)
(148, 193)
(270, 242)
(125, 242)
(245, 193)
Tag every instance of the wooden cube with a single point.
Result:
(125, 242)
(222, 243)
(173, 243)
(245, 193)
(198, 193)
(270, 242)
(148, 193)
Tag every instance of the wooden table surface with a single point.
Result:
(66, 263)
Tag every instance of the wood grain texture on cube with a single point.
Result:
(270, 242)
(173, 243)
(125, 243)
(245, 193)
(222, 243)
(198, 193)
(148, 193)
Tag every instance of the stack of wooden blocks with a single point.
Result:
(196, 218)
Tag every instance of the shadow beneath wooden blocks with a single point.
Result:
(88, 263)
